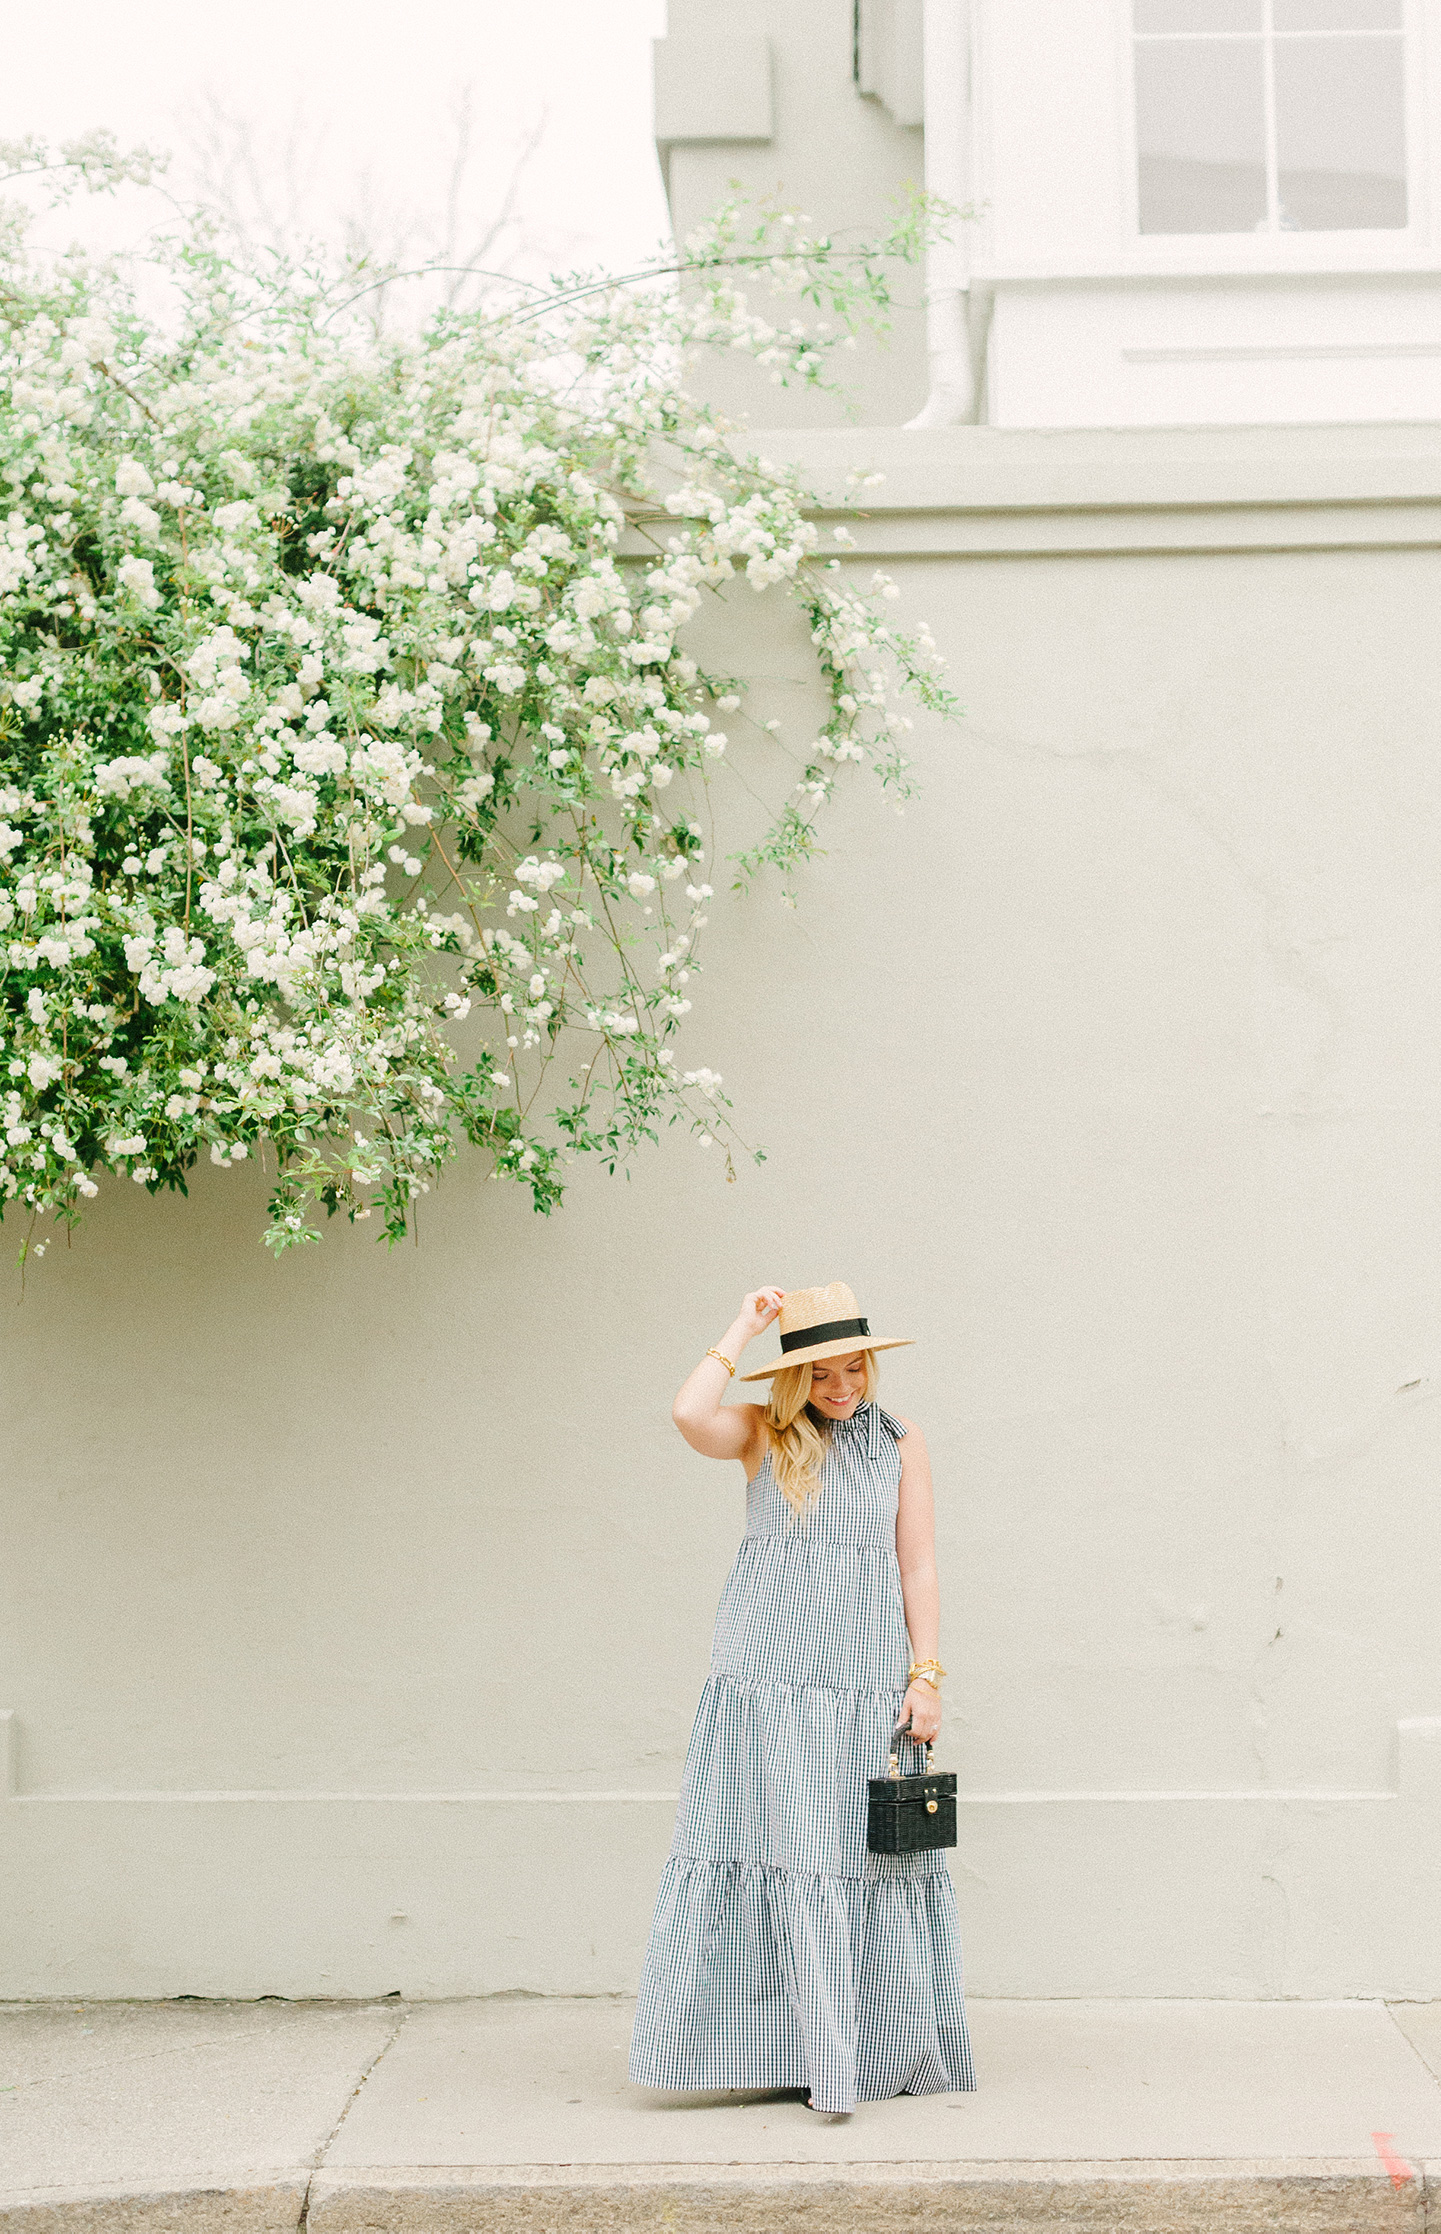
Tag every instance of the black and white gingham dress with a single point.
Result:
(783, 1953)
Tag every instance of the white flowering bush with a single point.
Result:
(353, 778)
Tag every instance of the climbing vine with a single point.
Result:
(356, 783)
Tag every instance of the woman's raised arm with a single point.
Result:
(725, 1430)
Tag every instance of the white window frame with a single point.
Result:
(1377, 248)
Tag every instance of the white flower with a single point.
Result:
(133, 513)
(116, 779)
(638, 884)
(542, 874)
(384, 767)
(131, 479)
(318, 593)
(182, 976)
(137, 577)
(473, 790)
(322, 755)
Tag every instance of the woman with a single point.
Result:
(783, 1954)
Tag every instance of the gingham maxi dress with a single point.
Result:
(783, 1953)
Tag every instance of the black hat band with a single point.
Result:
(834, 1330)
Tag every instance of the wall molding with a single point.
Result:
(1016, 492)
(1283, 352)
(1244, 1892)
(1419, 1733)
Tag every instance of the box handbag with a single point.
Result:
(910, 1814)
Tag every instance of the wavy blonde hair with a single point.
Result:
(798, 1436)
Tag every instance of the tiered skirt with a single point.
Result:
(783, 1954)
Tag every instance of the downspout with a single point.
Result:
(947, 118)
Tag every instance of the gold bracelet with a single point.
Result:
(931, 1668)
(725, 1361)
(922, 1675)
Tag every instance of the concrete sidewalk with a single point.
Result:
(433, 2118)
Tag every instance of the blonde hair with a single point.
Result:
(798, 1436)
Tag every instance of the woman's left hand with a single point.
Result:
(922, 1710)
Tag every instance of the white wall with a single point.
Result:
(1090, 323)
(839, 159)
(1079, 319)
(1214, 353)
(1110, 1071)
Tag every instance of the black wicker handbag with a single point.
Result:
(908, 1814)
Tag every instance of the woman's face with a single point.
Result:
(838, 1385)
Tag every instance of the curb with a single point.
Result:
(274, 2206)
(1329, 2197)
(1288, 2196)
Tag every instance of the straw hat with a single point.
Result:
(823, 1322)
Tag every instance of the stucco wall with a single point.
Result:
(1110, 1071)
(838, 158)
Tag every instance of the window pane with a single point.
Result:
(1338, 15)
(1201, 136)
(1200, 15)
(1340, 133)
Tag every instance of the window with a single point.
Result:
(1270, 116)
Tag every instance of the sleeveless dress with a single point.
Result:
(783, 1953)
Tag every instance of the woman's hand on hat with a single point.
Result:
(758, 1311)
(922, 1710)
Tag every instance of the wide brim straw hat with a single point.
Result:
(823, 1322)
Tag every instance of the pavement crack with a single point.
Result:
(346, 2107)
(1417, 2050)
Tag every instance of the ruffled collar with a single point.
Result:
(869, 1424)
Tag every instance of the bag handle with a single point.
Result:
(904, 1730)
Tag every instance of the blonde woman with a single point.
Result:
(783, 1954)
